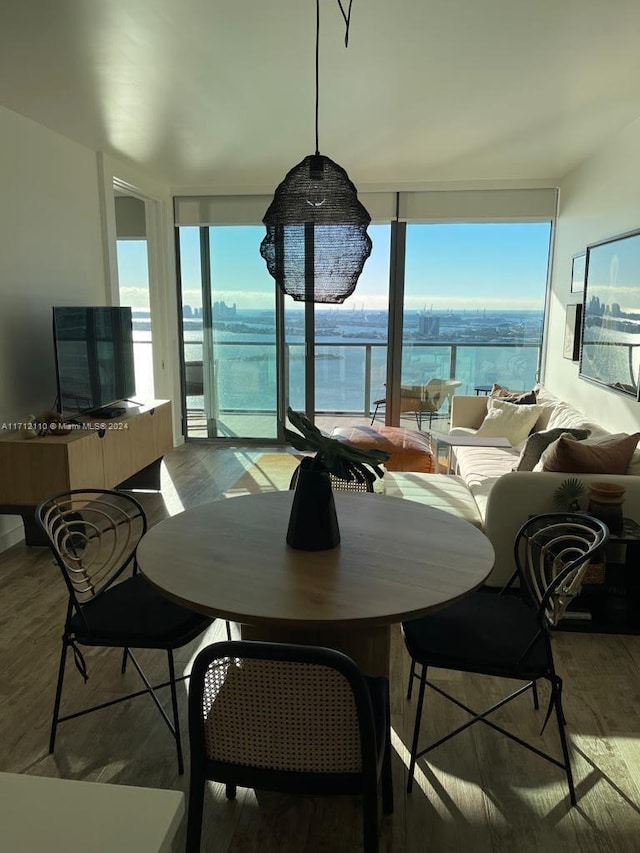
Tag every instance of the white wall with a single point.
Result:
(50, 254)
(599, 199)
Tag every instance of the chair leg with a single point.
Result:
(387, 777)
(556, 688)
(412, 673)
(174, 703)
(534, 688)
(416, 729)
(125, 654)
(228, 631)
(194, 815)
(370, 817)
(56, 704)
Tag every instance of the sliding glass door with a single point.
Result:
(229, 334)
(474, 297)
(243, 366)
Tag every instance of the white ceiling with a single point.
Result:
(220, 93)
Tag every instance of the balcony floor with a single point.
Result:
(250, 426)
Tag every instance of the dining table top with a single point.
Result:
(396, 560)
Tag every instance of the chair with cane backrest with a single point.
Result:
(93, 534)
(288, 718)
(338, 483)
(508, 634)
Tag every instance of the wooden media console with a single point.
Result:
(124, 452)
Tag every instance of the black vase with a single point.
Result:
(313, 523)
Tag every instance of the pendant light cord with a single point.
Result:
(317, 69)
(347, 20)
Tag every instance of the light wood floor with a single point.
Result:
(479, 793)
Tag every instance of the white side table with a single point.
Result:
(69, 816)
(450, 441)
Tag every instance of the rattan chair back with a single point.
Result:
(289, 718)
(553, 553)
(93, 534)
(307, 710)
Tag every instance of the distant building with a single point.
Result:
(428, 326)
(222, 311)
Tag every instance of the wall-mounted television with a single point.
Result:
(94, 357)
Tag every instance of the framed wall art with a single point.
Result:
(578, 271)
(573, 324)
(610, 351)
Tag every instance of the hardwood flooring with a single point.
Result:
(477, 793)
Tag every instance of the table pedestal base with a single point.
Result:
(369, 648)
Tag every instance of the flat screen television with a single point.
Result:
(94, 357)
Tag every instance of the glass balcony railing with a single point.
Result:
(350, 376)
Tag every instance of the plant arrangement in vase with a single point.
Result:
(332, 456)
(566, 496)
(313, 523)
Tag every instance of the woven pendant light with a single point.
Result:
(316, 242)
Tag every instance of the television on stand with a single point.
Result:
(94, 359)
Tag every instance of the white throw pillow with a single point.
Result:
(565, 416)
(508, 420)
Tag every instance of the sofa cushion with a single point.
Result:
(566, 417)
(548, 401)
(520, 398)
(508, 420)
(539, 441)
(575, 457)
(480, 467)
(439, 491)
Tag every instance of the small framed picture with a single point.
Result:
(572, 327)
(578, 272)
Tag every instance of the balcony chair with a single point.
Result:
(508, 634)
(288, 718)
(93, 534)
(422, 399)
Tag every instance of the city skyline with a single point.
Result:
(502, 266)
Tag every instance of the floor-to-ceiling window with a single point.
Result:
(474, 297)
(229, 333)
(134, 291)
(133, 282)
(449, 299)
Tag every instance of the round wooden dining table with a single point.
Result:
(397, 560)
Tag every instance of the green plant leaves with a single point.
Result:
(337, 457)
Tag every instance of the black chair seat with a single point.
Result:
(132, 613)
(482, 633)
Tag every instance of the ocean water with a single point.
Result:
(351, 345)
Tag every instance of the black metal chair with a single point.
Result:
(93, 534)
(289, 718)
(508, 634)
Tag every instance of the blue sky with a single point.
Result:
(450, 266)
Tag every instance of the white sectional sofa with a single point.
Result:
(490, 494)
